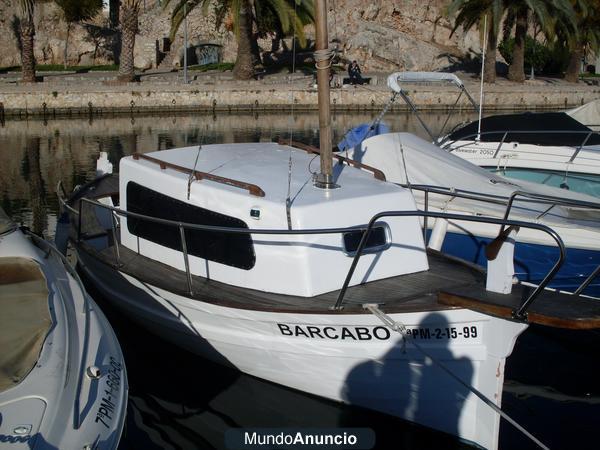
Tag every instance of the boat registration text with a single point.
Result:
(376, 333)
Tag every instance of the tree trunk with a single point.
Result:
(27, 56)
(129, 27)
(516, 70)
(489, 67)
(244, 69)
(66, 55)
(574, 67)
(113, 13)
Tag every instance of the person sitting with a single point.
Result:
(354, 74)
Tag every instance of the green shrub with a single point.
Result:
(546, 58)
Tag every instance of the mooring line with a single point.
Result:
(401, 328)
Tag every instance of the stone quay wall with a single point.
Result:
(140, 98)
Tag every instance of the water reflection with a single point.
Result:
(66, 149)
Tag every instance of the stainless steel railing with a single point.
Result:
(509, 203)
(182, 226)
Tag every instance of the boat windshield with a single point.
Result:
(5, 223)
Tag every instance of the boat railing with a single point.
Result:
(520, 312)
(446, 142)
(509, 202)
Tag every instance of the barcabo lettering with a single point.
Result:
(334, 333)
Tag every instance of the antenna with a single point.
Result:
(482, 66)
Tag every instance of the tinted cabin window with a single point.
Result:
(377, 240)
(236, 250)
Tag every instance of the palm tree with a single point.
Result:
(26, 37)
(476, 12)
(588, 36)
(284, 17)
(129, 27)
(546, 13)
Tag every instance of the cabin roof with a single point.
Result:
(267, 165)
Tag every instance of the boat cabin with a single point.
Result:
(225, 186)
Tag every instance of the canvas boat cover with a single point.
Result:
(541, 129)
(408, 159)
(24, 317)
(588, 114)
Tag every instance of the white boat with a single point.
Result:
(63, 383)
(550, 148)
(441, 181)
(238, 253)
(558, 149)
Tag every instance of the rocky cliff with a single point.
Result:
(380, 35)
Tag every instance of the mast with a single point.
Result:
(324, 179)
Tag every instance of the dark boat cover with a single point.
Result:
(542, 129)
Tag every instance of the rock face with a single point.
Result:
(380, 35)
(403, 34)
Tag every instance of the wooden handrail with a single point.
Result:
(251, 188)
(378, 174)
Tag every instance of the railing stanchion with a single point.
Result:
(114, 235)
(587, 281)
(363, 241)
(500, 144)
(186, 259)
(425, 217)
(581, 146)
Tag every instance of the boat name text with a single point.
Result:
(375, 333)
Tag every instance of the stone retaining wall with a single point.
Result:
(138, 100)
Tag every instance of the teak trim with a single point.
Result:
(378, 174)
(251, 188)
(506, 312)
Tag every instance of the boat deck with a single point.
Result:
(449, 283)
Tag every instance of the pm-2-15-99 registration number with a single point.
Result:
(467, 332)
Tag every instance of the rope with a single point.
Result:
(400, 328)
(322, 55)
(404, 164)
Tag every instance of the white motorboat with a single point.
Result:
(238, 253)
(551, 148)
(63, 383)
(558, 149)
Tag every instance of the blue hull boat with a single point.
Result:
(532, 261)
(443, 182)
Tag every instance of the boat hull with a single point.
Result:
(350, 358)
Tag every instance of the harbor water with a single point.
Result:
(180, 401)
